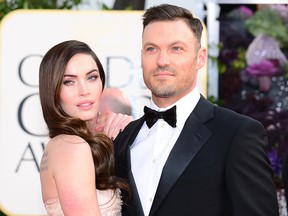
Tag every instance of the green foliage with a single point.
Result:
(7, 6)
(215, 101)
(240, 62)
(285, 69)
(269, 23)
(103, 6)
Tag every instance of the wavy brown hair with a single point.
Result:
(51, 74)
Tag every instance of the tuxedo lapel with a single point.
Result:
(129, 137)
(138, 211)
(190, 141)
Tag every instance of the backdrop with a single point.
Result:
(25, 36)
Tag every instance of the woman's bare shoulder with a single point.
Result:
(64, 149)
(66, 143)
(66, 139)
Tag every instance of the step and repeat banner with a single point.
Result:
(25, 36)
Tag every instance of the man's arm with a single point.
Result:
(249, 175)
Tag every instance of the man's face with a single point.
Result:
(170, 60)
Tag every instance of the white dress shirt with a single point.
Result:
(152, 147)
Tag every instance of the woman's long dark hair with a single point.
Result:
(51, 74)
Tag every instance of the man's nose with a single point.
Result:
(163, 59)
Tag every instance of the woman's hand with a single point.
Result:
(112, 123)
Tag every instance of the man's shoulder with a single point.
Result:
(231, 117)
(130, 128)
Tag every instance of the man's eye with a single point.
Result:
(150, 49)
(177, 48)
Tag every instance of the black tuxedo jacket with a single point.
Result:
(217, 167)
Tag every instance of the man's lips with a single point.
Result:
(160, 73)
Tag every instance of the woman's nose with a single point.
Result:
(83, 90)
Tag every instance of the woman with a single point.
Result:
(77, 168)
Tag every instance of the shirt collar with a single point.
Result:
(184, 106)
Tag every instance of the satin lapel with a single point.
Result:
(190, 141)
(136, 203)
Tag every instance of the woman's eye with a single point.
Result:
(93, 77)
(68, 82)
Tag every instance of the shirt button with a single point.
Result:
(150, 199)
(154, 161)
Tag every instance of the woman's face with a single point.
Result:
(81, 88)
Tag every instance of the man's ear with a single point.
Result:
(201, 57)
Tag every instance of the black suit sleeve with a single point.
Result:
(248, 173)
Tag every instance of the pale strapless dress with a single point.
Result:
(110, 204)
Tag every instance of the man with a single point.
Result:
(211, 161)
(115, 111)
(114, 100)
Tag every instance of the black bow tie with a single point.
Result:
(152, 116)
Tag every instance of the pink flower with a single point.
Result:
(264, 68)
(282, 10)
(245, 11)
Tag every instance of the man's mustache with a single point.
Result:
(165, 68)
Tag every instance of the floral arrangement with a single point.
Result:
(271, 16)
(253, 69)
